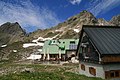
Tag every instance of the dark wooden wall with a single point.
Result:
(111, 58)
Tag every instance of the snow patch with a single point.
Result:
(14, 51)
(58, 30)
(78, 26)
(34, 57)
(47, 39)
(32, 44)
(73, 60)
(101, 24)
(55, 36)
(77, 30)
(40, 50)
(36, 40)
(4, 46)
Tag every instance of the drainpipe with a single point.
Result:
(99, 57)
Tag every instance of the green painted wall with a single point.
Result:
(54, 46)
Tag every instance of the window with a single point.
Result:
(117, 74)
(72, 42)
(53, 41)
(92, 71)
(83, 67)
(72, 46)
(89, 50)
(112, 74)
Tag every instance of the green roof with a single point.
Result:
(56, 46)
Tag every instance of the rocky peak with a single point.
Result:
(12, 28)
(102, 21)
(85, 14)
(73, 23)
(115, 20)
(11, 32)
(83, 17)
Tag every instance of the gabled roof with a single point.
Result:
(105, 38)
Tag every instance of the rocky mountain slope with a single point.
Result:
(68, 28)
(115, 20)
(11, 32)
(11, 40)
(14, 36)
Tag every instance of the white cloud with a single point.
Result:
(101, 6)
(27, 14)
(75, 1)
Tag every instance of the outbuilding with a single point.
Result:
(56, 49)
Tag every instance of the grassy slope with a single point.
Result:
(41, 72)
(12, 56)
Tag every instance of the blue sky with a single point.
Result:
(41, 14)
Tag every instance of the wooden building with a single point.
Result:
(99, 51)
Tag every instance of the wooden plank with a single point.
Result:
(111, 59)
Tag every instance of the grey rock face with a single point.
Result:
(11, 32)
(115, 20)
